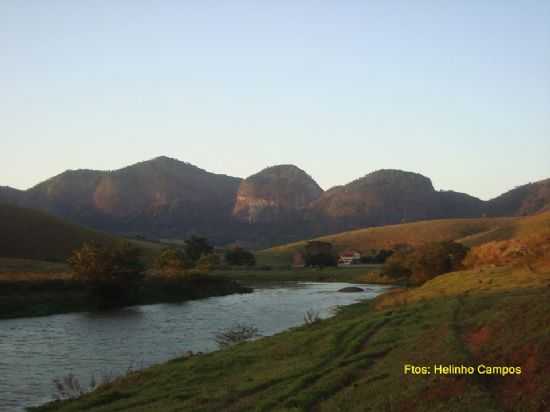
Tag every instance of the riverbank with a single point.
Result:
(36, 296)
(364, 274)
(356, 360)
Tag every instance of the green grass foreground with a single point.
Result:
(355, 360)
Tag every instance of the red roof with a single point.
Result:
(348, 253)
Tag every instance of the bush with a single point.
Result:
(237, 333)
(240, 257)
(320, 254)
(425, 262)
(195, 247)
(208, 262)
(377, 256)
(311, 317)
(172, 261)
(113, 274)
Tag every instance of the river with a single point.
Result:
(34, 351)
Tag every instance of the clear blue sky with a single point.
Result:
(456, 90)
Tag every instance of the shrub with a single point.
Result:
(320, 254)
(172, 261)
(426, 261)
(195, 247)
(377, 256)
(240, 257)
(113, 274)
(311, 317)
(237, 333)
(208, 262)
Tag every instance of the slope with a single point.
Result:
(32, 234)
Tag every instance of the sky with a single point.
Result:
(456, 90)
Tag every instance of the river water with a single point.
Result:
(34, 351)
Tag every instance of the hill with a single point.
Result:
(32, 234)
(392, 196)
(386, 237)
(524, 200)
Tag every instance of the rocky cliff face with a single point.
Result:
(273, 192)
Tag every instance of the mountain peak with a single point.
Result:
(274, 190)
(394, 177)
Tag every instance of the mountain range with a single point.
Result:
(170, 199)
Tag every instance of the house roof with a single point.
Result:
(349, 253)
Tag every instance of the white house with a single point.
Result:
(349, 257)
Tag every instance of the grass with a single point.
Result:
(369, 274)
(28, 269)
(38, 240)
(354, 361)
(471, 232)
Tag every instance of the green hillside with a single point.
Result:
(32, 234)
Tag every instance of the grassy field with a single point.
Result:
(27, 269)
(355, 360)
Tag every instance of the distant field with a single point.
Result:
(388, 236)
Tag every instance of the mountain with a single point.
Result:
(10, 195)
(162, 197)
(273, 192)
(170, 199)
(32, 234)
(392, 196)
(522, 201)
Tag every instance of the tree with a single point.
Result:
(172, 261)
(319, 254)
(208, 262)
(426, 261)
(195, 247)
(113, 274)
(240, 257)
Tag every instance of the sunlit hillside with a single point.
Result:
(389, 236)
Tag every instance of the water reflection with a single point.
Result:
(33, 351)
